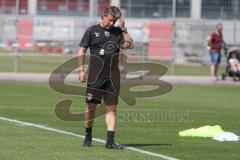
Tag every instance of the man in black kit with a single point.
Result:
(103, 80)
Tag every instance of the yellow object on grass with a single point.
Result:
(205, 131)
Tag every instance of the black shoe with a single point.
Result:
(113, 146)
(87, 141)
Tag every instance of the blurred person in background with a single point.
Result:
(216, 43)
(234, 63)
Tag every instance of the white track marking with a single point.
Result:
(22, 123)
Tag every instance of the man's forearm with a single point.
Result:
(128, 41)
(81, 56)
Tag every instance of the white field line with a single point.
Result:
(81, 136)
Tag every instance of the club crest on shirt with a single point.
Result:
(89, 96)
(107, 34)
(97, 34)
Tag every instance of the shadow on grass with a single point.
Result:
(145, 145)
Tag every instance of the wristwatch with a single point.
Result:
(124, 30)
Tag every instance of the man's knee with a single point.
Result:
(91, 106)
(112, 108)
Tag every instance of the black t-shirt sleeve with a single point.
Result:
(86, 38)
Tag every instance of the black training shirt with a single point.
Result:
(104, 47)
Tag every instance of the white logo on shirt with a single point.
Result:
(97, 34)
(89, 96)
(107, 34)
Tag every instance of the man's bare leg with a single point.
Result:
(111, 117)
(214, 71)
(111, 123)
(89, 114)
(89, 119)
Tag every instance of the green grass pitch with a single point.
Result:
(35, 103)
(48, 64)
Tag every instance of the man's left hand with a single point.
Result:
(121, 23)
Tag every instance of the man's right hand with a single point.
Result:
(82, 76)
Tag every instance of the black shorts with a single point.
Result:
(103, 88)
